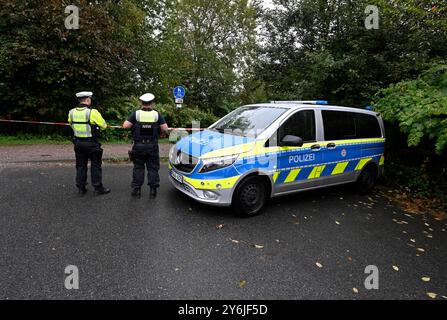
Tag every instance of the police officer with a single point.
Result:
(86, 124)
(146, 125)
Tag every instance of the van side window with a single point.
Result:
(339, 125)
(300, 124)
(368, 126)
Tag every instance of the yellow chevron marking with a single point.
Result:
(340, 167)
(292, 175)
(316, 172)
(362, 163)
(275, 176)
(382, 160)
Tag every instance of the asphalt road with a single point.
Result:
(175, 248)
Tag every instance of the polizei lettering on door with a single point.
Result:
(302, 158)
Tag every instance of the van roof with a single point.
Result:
(292, 105)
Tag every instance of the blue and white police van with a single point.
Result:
(266, 150)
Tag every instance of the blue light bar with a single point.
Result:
(321, 102)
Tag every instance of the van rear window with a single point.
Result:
(341, 125)
(368, 126)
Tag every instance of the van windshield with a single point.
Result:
(248, 121)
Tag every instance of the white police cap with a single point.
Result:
(147, 97)
(84, 94)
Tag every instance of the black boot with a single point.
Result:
(101, 190)
(82, 191)
(153, 193)
(136, 192)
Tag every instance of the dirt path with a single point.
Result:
(62, 152)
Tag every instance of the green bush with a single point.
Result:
(119, 108)
(417, 180)
(183, 117)
(419, 107)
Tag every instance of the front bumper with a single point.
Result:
(223, 197)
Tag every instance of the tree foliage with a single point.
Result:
(207, 46)
(42, 64)
(321, 49)
(419, 107)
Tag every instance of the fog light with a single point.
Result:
(210, 195)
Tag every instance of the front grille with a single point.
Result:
(183, 162)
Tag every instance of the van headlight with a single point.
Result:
(212, 164)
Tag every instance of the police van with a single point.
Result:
(266, 150)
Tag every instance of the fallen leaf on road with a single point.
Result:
(258, 246)
(319, 265)
(425, 279)
(234, 241)
(432, 295)
(420, 249)
(426, 224)
(439, 215)
(242, 283)
(350, 258)
(396, 268)
(337, 222)
(355, 290)
(400, 221)
(413, 240)
(220, 226)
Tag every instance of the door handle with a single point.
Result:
(315, 147)
(331, 145)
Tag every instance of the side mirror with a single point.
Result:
(292, 141)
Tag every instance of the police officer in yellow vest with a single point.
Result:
(146, 125)
(86, 124)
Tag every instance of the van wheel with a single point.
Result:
(250, 197)
(367, 180)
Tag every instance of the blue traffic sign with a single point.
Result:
(179, 92)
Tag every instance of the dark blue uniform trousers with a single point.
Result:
(146, 155)
(88, 150)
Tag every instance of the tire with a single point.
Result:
(250, 197)
(367, 180)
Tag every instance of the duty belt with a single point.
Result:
(91, 139)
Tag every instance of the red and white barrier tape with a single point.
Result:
(67, 124)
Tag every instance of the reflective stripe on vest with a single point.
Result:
(147, 116)
(80, 123)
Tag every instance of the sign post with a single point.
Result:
(179, 94)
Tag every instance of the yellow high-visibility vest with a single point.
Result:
(147, 116)
(80, 122)
(82, 119)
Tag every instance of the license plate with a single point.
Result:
(177, 176)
